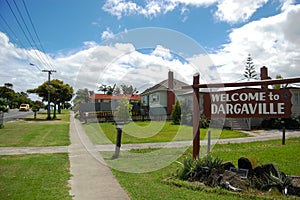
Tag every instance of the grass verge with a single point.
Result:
(38, 132)
(151, 185)
(34, 176)
(147, 132)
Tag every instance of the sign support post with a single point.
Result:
(283, 132)
(196, 116)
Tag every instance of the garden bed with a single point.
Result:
(209, 172)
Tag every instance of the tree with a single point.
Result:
(121, 116)
(278, 86)
(39, 104)
(35, 109)
(176, 113)
(9, 95)
(8, 85)
(14, 99)
(65, 94)
(110, 90)
(117, 91)
(107, 89)
(3, 108)
(128, 89)
(81, 96)
(3, 105)
(250, 72)
(123, 111)
(59, 92)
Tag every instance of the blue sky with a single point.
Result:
(80, 40)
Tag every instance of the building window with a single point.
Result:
(154, 98)
(145, 100)
(296, 98)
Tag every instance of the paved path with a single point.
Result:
(91, 179)
(260, 135)
(32, 150)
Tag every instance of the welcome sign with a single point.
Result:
(248, 103)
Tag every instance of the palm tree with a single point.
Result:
(103, 88)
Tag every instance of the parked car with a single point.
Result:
(24, 107)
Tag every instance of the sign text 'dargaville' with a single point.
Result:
(248, 103)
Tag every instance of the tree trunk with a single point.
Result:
(1, 119)
(59, 108)
(54, 111)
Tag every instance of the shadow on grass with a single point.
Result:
(39, 119)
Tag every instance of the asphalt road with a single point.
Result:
(14, 114)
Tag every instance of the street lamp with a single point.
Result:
(49, 73)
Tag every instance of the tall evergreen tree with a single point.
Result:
(176, 113)
(250, 72)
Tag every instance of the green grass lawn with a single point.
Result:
(38, 132)
(34, 177)
(151, 185)
(145, 132)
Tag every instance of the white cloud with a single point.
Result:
(286, 4)
(230, 11)
(273, 42)
(152, 8)
(15, 68)
(108, 34)
(234, 11)
(162, 52)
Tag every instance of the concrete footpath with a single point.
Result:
(91, 179)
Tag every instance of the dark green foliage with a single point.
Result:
(250, 72)
(107, 89)
(268, 180)
(3, 105)
(199, 169)
(59, 93)
(275, 123)
(176, 113)
(3, 108)
(204, 122)
(128, 89)
(15, 99)
(35, 109)
(123, 111)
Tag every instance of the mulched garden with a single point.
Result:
(244, 178)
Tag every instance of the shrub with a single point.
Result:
(176, 113)
(204, 122)
(275, 123)
(199, 169)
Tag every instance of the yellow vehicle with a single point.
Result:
(24, 107)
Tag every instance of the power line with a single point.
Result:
(35, 66)
(10, 29)
(16, 18)
(15, 37)
(24, 22)
(34, 29)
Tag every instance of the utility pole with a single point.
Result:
(48, 108)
